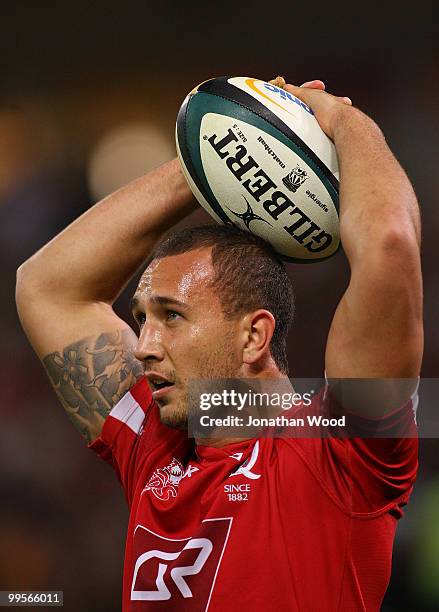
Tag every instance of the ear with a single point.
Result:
(257, 332)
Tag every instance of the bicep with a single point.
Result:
(88, 354)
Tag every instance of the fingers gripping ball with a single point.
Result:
(255, 157)
(279, 81)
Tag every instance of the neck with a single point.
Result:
(220, 436)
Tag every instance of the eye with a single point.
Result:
(140, 319)
(172, 315)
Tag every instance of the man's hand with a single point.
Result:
(326, 107)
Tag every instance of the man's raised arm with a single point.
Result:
(66, 290)
(377, 329)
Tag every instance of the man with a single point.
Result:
(312, 523)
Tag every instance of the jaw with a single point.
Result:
(173, 415)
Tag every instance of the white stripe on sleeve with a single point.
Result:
(129, 412)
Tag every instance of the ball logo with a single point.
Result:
(295, 179)
(165, 480)
(281, 98)
(248, 216)
(265, 194)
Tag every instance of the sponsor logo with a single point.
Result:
(240, 492)
(313, 197)
(260, 186)
(237, 456)
(248, 216)
(246, 468)
(181, 572)
(165, 480)
(275, 95)
(295, 179)
(190, 470)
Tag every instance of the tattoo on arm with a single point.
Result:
(90, 376)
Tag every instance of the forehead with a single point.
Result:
(178, 276)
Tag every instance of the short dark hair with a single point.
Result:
(248, 275)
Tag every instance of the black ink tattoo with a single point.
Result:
(91, 376)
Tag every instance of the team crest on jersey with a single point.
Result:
(165, 480)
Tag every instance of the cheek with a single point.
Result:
(218, 356)
(204, 350)
(188, 349)
(210, 337)
(199, 344)
(186, 341)
(202, 343)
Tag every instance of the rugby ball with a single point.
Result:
(255, 157)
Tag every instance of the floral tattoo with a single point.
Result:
(91, 376)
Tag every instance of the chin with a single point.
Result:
(173, 416)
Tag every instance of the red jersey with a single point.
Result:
(285, 524)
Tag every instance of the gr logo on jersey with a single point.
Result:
(178, 574)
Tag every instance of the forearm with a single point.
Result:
(377, 201)
(376, 331)
(94, 258)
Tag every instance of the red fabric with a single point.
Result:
(308, 525)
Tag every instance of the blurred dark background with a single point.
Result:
(88, 99)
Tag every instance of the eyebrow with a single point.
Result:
(162, 300)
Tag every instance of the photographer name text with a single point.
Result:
(278, 421)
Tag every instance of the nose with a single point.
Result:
(149, 346)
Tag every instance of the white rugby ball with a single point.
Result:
(255, 157)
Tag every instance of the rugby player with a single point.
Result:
(282, 524)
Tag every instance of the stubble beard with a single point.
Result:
(219, 364)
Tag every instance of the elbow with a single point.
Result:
(33, 273)
(30, 300)
(393, 237)
(21, 289)
(384, 247)
(399, 248)
(399, 238)
(392, 264)
(25, 285)
(21, 274)
(21, 282)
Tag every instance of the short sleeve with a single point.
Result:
(131, 432)
(367, 476)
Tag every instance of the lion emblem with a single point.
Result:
(165, 480)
